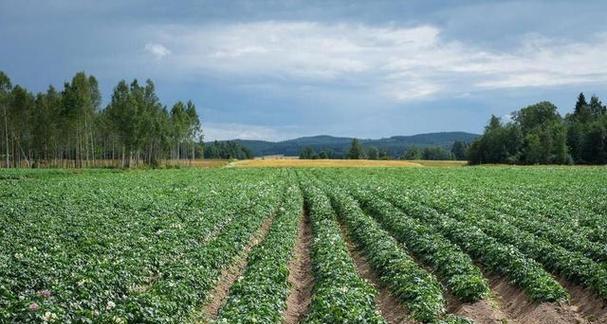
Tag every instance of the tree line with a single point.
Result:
(227, 150)
(358, 151)
(69, 128)
(537, 134)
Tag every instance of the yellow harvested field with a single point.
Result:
(295, 163)
(199, 163)
(441, 163)
(209, 163)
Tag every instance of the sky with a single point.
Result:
(275, 70)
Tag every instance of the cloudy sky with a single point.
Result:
(281, 69)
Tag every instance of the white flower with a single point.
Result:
(110, 305)
(48, 317)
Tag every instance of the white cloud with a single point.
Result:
(225, 131)
(411, 90)
(157, 50)
(394, 62)
(544, 62)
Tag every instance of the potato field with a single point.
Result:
(307, 245)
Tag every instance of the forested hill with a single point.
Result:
(394, 145)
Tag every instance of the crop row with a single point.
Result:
(576, 224)
(564, 207)
(187, 278)
(339, 294)
(570, 264)
(414, 286)
(572, 239)
(260, 295)
(528, 236)
(578, 204)
(71, 233)
(453, 266)
(573, 265)
(495, 256)
(111, 246)
(526, 216)
(569, 201)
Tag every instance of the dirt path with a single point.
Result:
(229, 275)
(300, 275)
(484, 311)
(520, 309)
(389, 307)
(592, 307)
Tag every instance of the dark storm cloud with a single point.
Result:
(276, 69)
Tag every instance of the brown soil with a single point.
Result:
(482, 311)
(389, 307)
(592, 307)
(300, 275)
(520, 309)
(230, 274)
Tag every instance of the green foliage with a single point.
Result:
(421, 192)
(418, 289)
(427, 153)
(337, 147)
(594, 145)
(150, 246)
(372, 153)
(597, 108)
(538, 135)
(571, 264)
(260, 295)
(70, 126)
(436, 153)
(136, 247)
(340, 295)
(412, 153)
(540, 216)
(227, 150)
(459, 150)
(450, 264)
(308, 153)
(356, 150)
(501, 258)
(536, 116)
(326, 154)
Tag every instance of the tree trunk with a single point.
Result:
(7, 159)
(123, 156)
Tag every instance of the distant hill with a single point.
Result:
(395, 145)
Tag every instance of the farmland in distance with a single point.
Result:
(311, 245)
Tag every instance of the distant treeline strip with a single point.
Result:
(538, 134)
(227, 150)
(68, 128)
(358, 151)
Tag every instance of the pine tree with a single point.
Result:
(494, 123)
(372, 153)
(582, 111)
(356, 150)
(459, 150)
(596, 107)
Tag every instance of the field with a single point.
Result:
(329, 163)
(311, 245)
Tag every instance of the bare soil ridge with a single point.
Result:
(515, 303)
(484, 311)
(584, 301)
(229, 275)
(389, 307)
(301, 278)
